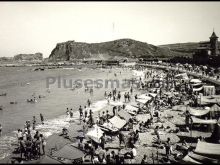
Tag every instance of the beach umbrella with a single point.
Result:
(68, 152)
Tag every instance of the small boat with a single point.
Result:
(13, 102)
(3, 94)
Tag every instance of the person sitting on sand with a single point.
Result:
(157, 133)
(144, 160)
(135, 97)
(65, 131)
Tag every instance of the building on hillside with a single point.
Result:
(208, 51)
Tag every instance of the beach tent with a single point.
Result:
(187, 159)
(208, 90)
(68, 152)
(196, 112)
(117, 122)
(143, 101)
(208, 99)
(153, 94)
(192, 157)
(215, 108)
(202, 121)
(215, 111)
(124, 115)
(197, 87)
(195, 81)
(108, 127)
(131, 109)
(208, 149)
(95, 133)
(145, 97)
(116, 103)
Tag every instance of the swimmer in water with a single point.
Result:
(0, 130)
(41, 118)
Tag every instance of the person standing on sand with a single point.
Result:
(119, 96)
(80, 111)
(42, 118)
(128, 97)
(43, 143)
(168, 147)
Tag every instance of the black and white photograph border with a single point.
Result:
(109, 82)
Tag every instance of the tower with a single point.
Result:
(214, 44)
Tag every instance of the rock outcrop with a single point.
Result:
(123, 48)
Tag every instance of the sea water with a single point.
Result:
(22, 83)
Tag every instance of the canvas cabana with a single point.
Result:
(124, 115)
(198, 112)
(202, 121)
(211, 150)
(131, 109)
(193, 157)
(114, 124)
(117, 122)
(95, 133)
(143, 101)
(145, 97)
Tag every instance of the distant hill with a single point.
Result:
(183, 48)
(117, 49)
(28, 57)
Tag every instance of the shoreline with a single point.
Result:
(40, 125)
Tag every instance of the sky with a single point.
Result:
(30, 27)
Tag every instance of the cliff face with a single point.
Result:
(123, 48)
(29, 57)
